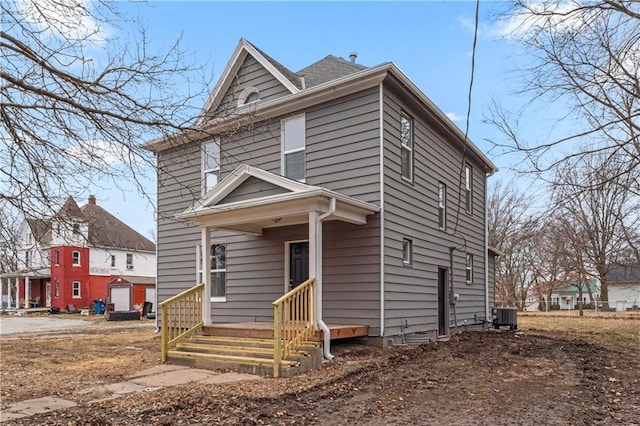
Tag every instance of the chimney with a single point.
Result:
(353, 56)
(92, 199)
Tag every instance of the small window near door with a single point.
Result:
(469, 269)
(218, 270)
(76, 289)
(407, 252)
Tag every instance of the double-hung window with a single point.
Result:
(27, 259)
(469, 269)
(406, 146)
(76, 289)
(442, 206)
(468, 188)
(129, 261)
(75, 258)
(210, 165)
(294, 148)
(113, 260)
(407, 252)
(218, 253)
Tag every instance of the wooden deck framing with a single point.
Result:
(264, 330)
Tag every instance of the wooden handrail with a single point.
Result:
(294, 321)
(181, 317)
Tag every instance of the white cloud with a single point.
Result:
(100, 152)
(454, 117)
(71, 19)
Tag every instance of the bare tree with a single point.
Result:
(597, 213)
(583, 56)
(9, 227)
(513, 230)
(80, 90)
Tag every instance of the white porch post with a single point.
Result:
(206, 275)
(17, 299)
(8, 291)
(27, 292)
(315, 239)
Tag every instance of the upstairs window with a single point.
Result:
(407, 252)
(129, 261)
(56, 257)
(27, 259)
(468, 188)
(293, 148)
(469, 269)
(76, 229)
(113, 260)
(210, 165)
(75, 258)
(442, 206)
(406, 146)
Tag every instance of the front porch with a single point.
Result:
(264, 330)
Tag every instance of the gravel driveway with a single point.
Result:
(10, 324)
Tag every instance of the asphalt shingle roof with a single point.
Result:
(327, 69)
(106, 230)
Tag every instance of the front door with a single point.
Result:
(298, 263)
(443, 329)
(47, 293)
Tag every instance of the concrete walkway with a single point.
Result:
(145, 381)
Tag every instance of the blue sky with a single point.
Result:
(430, 41)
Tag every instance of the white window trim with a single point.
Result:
(468, 188)
(469, 268)
(409, 243)
(442, 205)
(404, 146)
(113, 261)
(242, 99)
(79, 258)
(284, 152)
(79, 296)
(129, 266)
(204, 172)
(199, 273)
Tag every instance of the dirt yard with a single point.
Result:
(580, 374)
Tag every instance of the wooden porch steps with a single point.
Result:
(248, 355)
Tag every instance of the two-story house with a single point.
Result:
(80, 255)
(342, 173)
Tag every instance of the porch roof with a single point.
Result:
(31, 273)
(290, 206)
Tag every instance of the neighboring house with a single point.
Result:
(71, 258)
(568, 296)
(624, 286)
(341, 172)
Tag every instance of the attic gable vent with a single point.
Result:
(247, 96)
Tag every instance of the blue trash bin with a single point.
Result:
(98, 307)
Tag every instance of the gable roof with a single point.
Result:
(39, 228)
(330, 78)
(70, 209)
(288, 79)
(289, 207)
(106, 230)
(327, 69)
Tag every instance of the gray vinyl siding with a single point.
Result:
(178, 187)
(411, 212)
(492, 280)
(251, 74)
(252, 188)
(256, 274)
(343, 149)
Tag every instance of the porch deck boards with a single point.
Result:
(264, 330)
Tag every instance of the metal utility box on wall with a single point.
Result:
(505, 317)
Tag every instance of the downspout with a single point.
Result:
(326, 344)
(486, 248)
(452, 298)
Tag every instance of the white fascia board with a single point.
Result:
(287, 104)
(441, 115)
(269, 66)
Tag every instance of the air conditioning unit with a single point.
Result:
(505, 317)
(129, 267)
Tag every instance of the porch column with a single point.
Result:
(206, 275)
(27, 292)
(17, 299)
